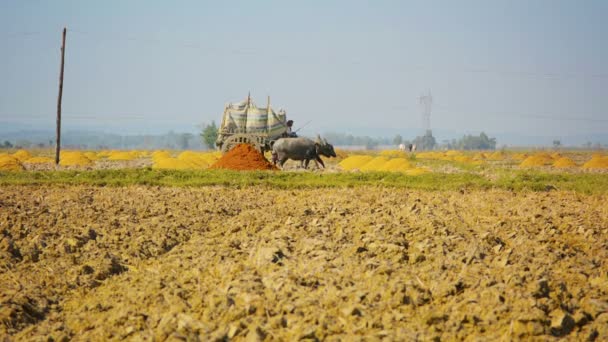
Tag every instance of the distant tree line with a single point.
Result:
(467, 142)
(341, 139)
(472, 142)
(423, 142)
(97, 140)
(207, 135)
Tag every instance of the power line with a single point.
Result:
(99, 118)
(158, 41)
(507, 115)
(171, 117)
(282, 55)
(516, 73)
(544, 117)
(21, 34)
(207, 48)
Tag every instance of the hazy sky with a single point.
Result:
(535, 67)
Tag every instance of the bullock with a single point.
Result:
(302, 149)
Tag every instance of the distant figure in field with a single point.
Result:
(401, 147)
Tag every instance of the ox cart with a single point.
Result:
(245, 123)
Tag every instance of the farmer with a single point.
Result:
(289, 133)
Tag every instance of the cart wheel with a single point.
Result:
(236, 139)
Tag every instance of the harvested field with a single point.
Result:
(142, 262)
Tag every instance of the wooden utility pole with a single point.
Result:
(58, 133)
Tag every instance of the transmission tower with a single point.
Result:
(426, 103)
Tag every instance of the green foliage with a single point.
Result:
(471, 142)
(209, 135)
(183, 140)
(397, 140)
(351, 140)
(425, 142)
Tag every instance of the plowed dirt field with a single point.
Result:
(150, 263)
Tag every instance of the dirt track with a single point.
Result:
(149, 262)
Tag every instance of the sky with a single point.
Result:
(358, 67)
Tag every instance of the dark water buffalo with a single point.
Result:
(302, 149)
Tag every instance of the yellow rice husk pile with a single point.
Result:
(446, 157)
(480, 156)
(92, 156)
(519, 156)
(564, 162)
(597, 162)
(123, 155)
(22, 155)
(74, 158)
(156, 155)
(374, 164)
(143, 154)
(198, 159)
(40, 160)
(187, 160)
(452, 155)
(172, 164)
(393, 153)
(539, 159)
(354, 162)
(381, 163)
(104, 153)
(341, 154)
(396, 165)
(429, 155)
(463, 159)
(498, 155)
(10, 163)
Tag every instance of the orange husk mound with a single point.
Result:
(480, 156)
(564, 162)
(519, 156)
(243, 157)
(498, 155)
(539, 159)
(597, 162)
